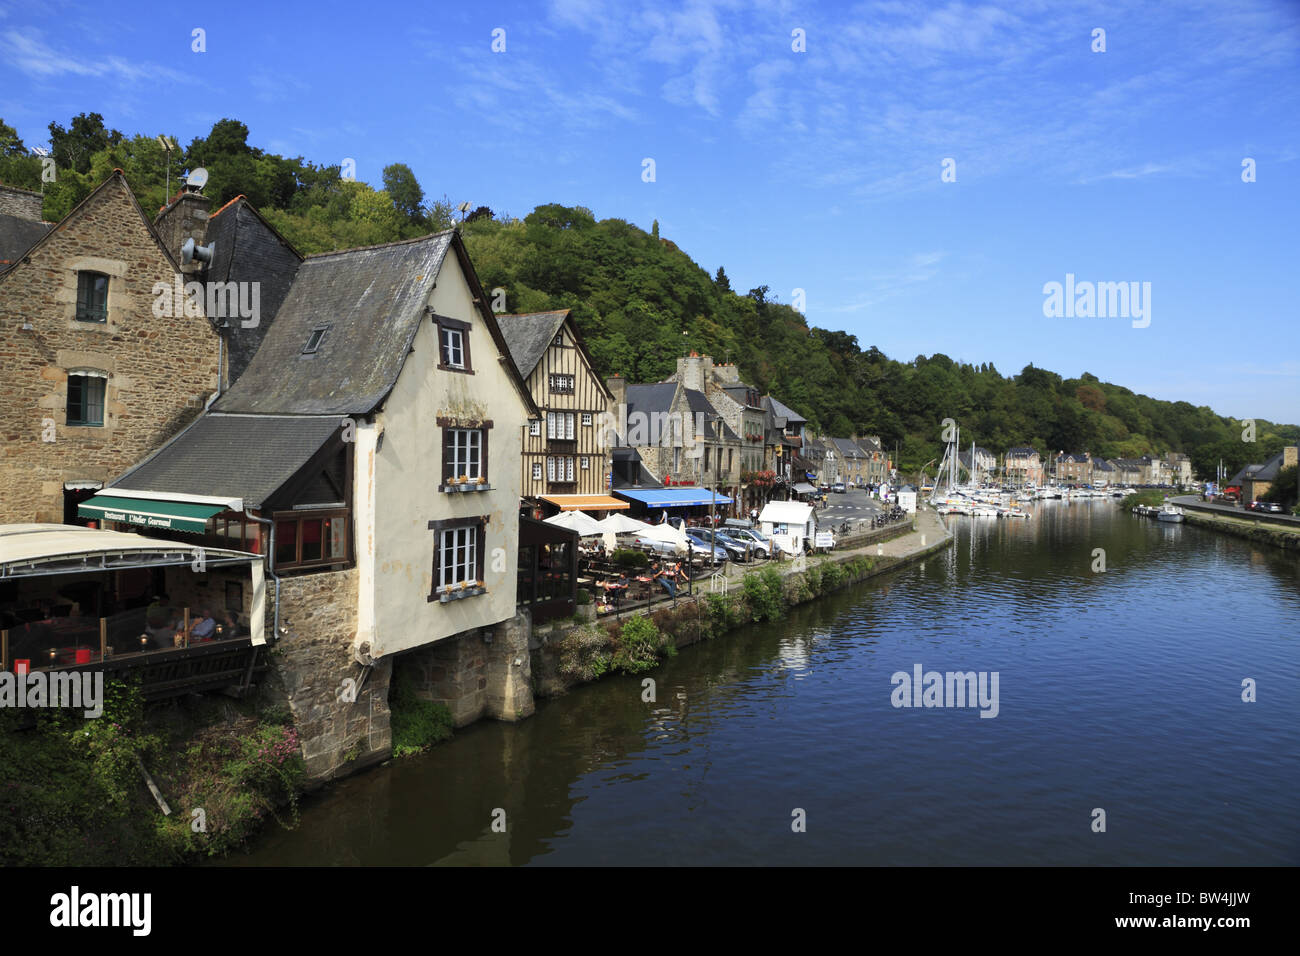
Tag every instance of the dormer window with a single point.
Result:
(453, 345)
(559, 339)
(92, 297)
(314, 340)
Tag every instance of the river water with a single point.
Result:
(1120, 691)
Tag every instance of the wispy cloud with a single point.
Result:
(30, 54)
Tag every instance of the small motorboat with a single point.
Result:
(1169, 513)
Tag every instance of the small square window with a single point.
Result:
(559, 338)
(535, 427)
(586, 419)
(586, 463)
(537, 471)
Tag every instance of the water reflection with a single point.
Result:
(1118, 689)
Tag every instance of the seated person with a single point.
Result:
(203, 627)
(665, 578)
(231, 625)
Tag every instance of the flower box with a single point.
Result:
(463, 487)
(448, 594)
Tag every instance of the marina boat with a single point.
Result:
(1169, 513)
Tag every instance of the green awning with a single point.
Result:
(176, 515)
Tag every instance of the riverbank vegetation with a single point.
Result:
(1152, 497)
(416, 724)
(72, 792)
(638, 299)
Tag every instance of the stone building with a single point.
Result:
(741, 408)
(20, 223)
(92, 379)
(1024, 466)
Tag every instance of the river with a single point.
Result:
(1120, 691)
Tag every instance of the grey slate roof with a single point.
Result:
(1021, 451)
(236, 456)
(698, 402)
(247, 249)
(373, 299)
(17, 235)
(651, 399)
(785, 411)
(848, 449)
(528, 336)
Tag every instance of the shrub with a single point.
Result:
(417, 724)
(833, 575)
(584, 653)
(639, 645)
(764, 594)
(629, 558)
(584, 597)
(724, 613)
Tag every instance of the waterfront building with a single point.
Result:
(566, 460)
(94, 379)
(370, 450)
(1024, 466)
(1256, 480)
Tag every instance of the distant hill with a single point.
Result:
(640, 302)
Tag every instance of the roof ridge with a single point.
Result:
(380, 245)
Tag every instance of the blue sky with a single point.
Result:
(818, 170)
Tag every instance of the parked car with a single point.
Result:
(1270, 507)
(724, 550)
(838, 488)
(762, 544)
(699, 540)
(740, 548)
(650, 544)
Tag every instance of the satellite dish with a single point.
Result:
(190, 251)
(197, 179)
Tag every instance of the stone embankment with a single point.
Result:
(1260, 531)
(692, 618)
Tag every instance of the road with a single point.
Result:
(1233, 512)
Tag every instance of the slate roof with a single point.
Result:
(235, 456)
(1265, 472)
(627, 462)
(17, 235)
(1021, 451)
(247, 248)
(740, 392)
(785, 411)
(529, 334)
(698, 402)
(373, 299)
(847, 448)
(651, 399)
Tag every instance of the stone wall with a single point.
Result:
(339, 706)
(481, 673)
(160, 370)
(22, 203)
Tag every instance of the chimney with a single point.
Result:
(185, 217)
(1289, 455)
(694, 371)
(20, 203)
(726, 374)
(617, 386)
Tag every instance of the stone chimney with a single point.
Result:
(726, 374)
(694, 371)
(1290, 454)
(20, 203)
(617, 386)
(185, 217)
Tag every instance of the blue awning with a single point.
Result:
(671, 497)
